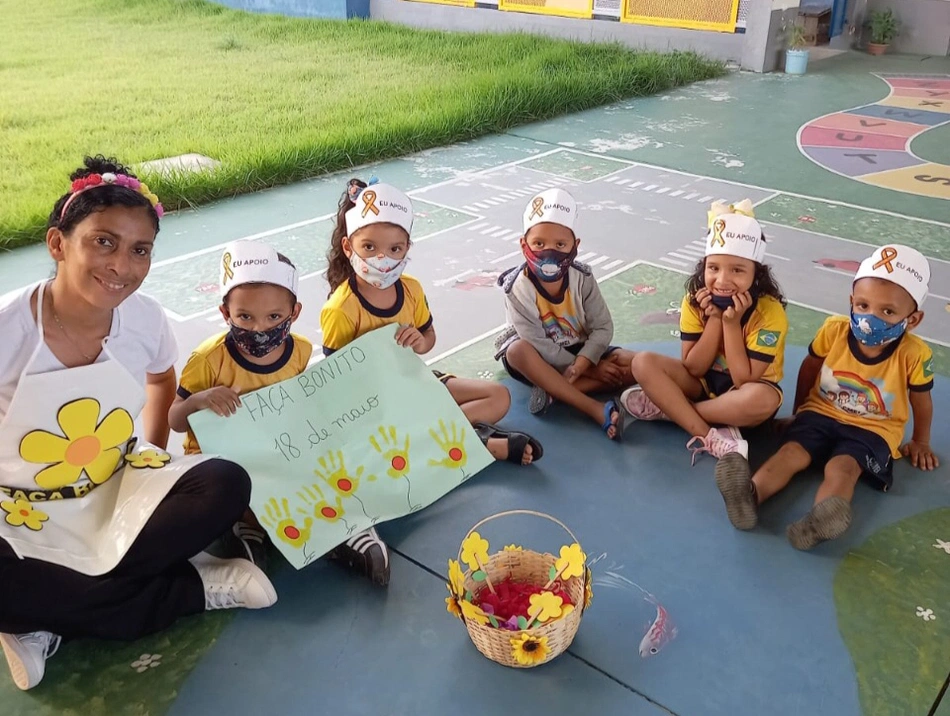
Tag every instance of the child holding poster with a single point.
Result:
(259, 302)
(368, 290)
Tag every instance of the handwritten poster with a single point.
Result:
(364, 436)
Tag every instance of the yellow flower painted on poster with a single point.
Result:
(452, 444)
(529, 650)
(89, 446)
(148, 458)
(21, 513)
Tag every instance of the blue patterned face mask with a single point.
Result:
(873, 331)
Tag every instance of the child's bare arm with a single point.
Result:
(807, 377)
(698, 356)
(918, 449)
(223, 401)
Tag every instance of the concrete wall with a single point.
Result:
(925, 25)
(765, 41)
(719, 45)
(304, 8)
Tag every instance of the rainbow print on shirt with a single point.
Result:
(853, 394)
(563, 330)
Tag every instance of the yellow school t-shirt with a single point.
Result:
(558, 315)
(764, 327)
(868, 393)
(217, 362)
(347, 315)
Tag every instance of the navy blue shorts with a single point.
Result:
(824, 438)
(575, 349)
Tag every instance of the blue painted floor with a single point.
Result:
(757, 622)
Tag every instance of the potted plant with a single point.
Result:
(883, 25)
(796, 52)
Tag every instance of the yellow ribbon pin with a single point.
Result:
(888, 254)
(228, 271)
(537, 208)
(369, 203)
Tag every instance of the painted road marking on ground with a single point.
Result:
(663, 190)
(479, 225)
(776, 256)
(597, 261)
(612, 264)
(677, 192)
(667, 259)
(636, 184)
(704, 199)
(505, 257)
(498, 234)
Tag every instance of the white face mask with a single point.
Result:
(378, 272)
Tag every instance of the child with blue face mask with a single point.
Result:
(863, 376)
(558, 340)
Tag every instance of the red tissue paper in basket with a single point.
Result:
(512, 599)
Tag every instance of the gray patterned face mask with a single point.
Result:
(260, 343)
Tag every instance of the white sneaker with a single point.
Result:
(27, 655)
(720, 442)
(233, 583)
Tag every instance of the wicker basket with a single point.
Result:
(534, 567)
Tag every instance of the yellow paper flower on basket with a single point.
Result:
(21, 513)
(473, 613)
(452, 607)
(545, 606)
(148, 458)
(456, 578)
(475, 550)
(529, 650)
(514, 548)
(572, 561)
(588, 588)
(89, 445)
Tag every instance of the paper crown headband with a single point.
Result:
(733, 231)
(378, 204)
(899, 264)
(554, 206)
(245, 262)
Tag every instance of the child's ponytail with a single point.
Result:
(339, 269)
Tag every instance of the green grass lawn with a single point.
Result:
(274, 99)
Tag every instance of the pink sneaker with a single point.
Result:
(636, 402)
(720, 442)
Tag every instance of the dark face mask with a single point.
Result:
(550, 264)
(724, 302)
(260, 343)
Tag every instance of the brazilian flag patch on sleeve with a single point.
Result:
(929, 367)
(767, 339)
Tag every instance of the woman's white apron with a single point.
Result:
(76, 488)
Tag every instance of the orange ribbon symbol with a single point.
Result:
(888, 254)
(369, 203)
(718, 227)
(228, 271)
(537, 208)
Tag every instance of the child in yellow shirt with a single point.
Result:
(856, 388)
(259, 302)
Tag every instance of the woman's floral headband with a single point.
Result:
(108, 178)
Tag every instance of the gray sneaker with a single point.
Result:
(539, 402)
(734, 480)
(827, 520)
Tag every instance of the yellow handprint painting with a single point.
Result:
(278, 519)
(332, 470)
(317, 505)
(396, 456)
(451, 441)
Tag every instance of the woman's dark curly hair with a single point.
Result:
(763, 283)
(98, 199)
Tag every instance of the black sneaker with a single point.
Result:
(366, 554)
(241, 542)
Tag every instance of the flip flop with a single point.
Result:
(610, 407)
(517, 441)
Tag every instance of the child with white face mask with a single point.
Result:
(369, 289)
(859, 384)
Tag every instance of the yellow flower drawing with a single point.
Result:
(571, 562)
(473, 613)
(529, 650)
(278, 518)
(333, 472)
(475, 550)
(588, 588)
(148, 458)
(456, 578)
(21, 513)
(514, 548)
(545, 606)
(90, 446)
(396, 456)
(452, 444)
